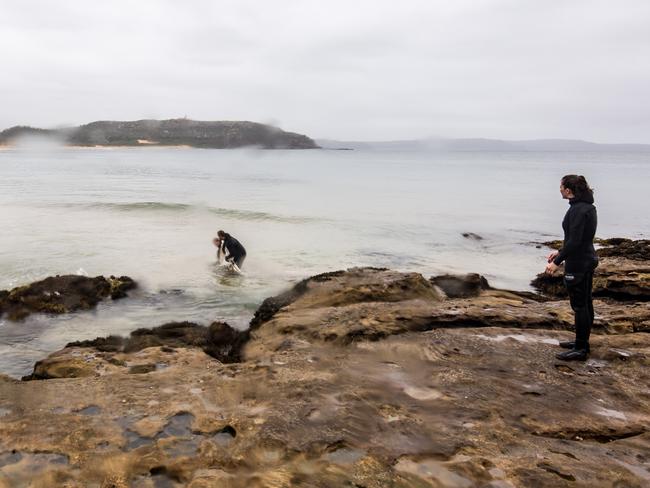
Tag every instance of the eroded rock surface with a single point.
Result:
(62, 294)
(366, 378)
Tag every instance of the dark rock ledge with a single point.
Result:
(62, 294)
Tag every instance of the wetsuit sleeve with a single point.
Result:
(572, 244)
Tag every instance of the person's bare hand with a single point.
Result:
(552, 256)
(551, 268)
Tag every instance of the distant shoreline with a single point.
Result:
(8, 147)
(165, 133)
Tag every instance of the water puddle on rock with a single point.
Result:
(183, 447)
(178, 426)
(185, 443)
(176, 438)
(90, 410)
(135, 440)
(19, 468)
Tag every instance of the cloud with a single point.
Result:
(351, 70)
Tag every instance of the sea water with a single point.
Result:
(151, 213)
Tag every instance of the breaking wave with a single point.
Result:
(233, 213)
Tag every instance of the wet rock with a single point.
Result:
(637, 250)
(62, 294)
(550, 285)
(618, 278)
(225, 343)
(623, 272)
(173, 334)
(79, 363)
(119, 286)
(461, 286)
(219, 340)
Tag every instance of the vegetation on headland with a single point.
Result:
(172, 132)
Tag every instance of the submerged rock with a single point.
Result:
(62, 294)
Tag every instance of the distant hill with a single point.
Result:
(13, 133)
(173, 132)
(484, 145)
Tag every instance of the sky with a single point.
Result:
(348, 70)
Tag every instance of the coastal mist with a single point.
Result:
(151, 213)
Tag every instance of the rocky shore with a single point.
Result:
(362, 378)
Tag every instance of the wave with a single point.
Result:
(138, 206)
(260, 216)
(233, 213)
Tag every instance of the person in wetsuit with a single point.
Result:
(580, 261)
(235, 252)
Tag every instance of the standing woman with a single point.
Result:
(580, 261)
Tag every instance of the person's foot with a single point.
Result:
(571, 345)
(573, 355)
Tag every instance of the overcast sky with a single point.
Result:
(355, 70)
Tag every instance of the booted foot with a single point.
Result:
(573, 355)
(571, 345)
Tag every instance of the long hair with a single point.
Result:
(579, 186)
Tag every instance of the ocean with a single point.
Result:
(151, 213)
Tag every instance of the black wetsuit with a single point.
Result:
(580, 259)
(236, 252)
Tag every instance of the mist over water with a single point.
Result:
(151, 213)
